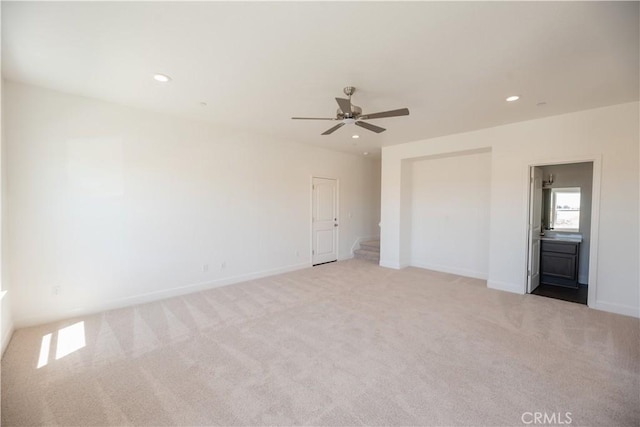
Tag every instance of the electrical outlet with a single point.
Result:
(297, 253)
(55, 290)
(205, 268)
(223, 265)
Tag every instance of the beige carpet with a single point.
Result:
(348, 343)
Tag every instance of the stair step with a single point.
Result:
(371, 245)
(367, 254)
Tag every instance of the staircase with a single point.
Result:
(369, 250)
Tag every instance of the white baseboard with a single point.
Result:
(7, 329)
(451, 270)
(611, 307)
(390, 264)
(504, 286)
(7, 337)
(23, 322)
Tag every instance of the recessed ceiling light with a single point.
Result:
(366, 153)
(161, 78)
(355, 136)
(513, 98)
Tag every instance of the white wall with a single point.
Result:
(450, 213)
(609, 135)
(5, 295)
(116, 205)
(576, 175)
(6, 320)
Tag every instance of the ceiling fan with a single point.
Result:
(349, 113)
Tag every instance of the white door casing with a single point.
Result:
(324, 221)
(535, 228)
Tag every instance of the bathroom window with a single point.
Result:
(565, 209)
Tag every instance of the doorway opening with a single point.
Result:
(562, 199)
(324, 220)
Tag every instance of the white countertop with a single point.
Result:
(563, 238)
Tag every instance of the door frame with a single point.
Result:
(530, 233)
(596, 160)
(310, 216)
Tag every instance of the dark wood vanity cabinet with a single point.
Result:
(559, 263)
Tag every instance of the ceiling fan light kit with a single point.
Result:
(348, 113)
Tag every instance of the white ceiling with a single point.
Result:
(258, 64)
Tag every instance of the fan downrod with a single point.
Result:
(349, 90)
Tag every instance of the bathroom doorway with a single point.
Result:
(562, 230)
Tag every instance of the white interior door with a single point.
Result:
(324, 221)
(535, 227)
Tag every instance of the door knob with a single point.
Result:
(335, 225)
